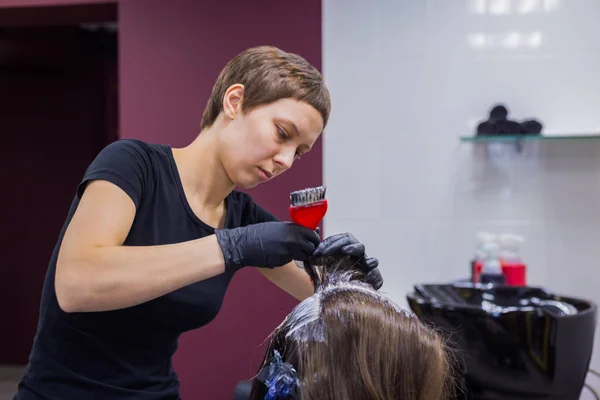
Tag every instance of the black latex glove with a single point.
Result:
(267, 245)
(374, 278)
(344, 244)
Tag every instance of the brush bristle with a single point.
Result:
(308, 196)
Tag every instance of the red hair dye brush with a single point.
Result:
(308, 206)
(308, 209)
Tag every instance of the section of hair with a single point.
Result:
(349, 341)
(269, 74)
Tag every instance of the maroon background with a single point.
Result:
(170, 53)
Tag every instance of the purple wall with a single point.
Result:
(170, 54)
(53, 122)
(38, 3)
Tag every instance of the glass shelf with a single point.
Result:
(521, 138)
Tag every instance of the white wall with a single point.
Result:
(408, 77)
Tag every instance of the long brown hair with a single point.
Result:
(348, 342)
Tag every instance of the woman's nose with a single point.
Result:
(285, 158)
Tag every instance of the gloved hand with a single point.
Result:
(344, 244)
(267, 245)
(374, 278)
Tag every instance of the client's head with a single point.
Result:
(348, 342)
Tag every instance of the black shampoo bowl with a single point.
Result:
(514, 342)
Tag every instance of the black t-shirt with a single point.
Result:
(126, 354)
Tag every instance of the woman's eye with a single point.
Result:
(282, 134)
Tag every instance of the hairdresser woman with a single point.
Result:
(155, 234)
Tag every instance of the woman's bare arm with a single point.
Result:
(292, 279)
(95, 272)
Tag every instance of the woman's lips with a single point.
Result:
(264, 175)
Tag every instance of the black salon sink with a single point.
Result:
(514, 342)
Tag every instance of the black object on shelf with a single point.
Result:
(499, 124)
(531, 127)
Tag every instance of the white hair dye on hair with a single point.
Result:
(309, 311)
(349, 341)
(356, 286)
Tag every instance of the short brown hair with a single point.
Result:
(269, 74)
(349, 342)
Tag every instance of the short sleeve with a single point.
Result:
(124, 163)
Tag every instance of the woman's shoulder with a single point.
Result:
(134, 147)
(130, 164)
(142, 155)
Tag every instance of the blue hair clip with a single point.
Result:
(280, 378)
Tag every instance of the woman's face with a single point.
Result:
(266, 141)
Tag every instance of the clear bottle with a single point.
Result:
(482, 239)
(510, 248)
(491, 271)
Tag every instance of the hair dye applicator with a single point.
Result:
(308, 206)
(308, 209)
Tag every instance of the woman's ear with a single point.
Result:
(232, 101)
